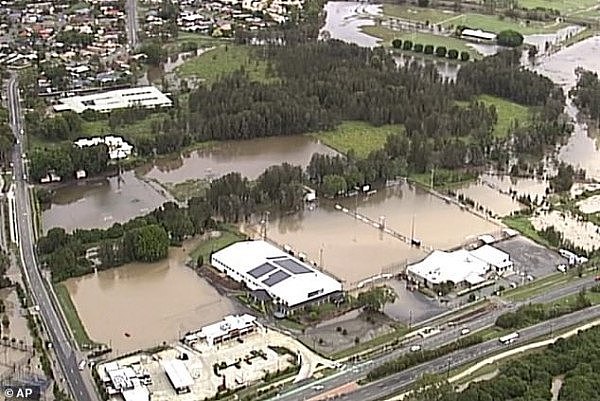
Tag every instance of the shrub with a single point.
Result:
(509, 38)
(418, 48)
(344, 332)
(396, 43)
(464, 56)
(428, 49)
(453, 54)
(440, 51)
(407, 45)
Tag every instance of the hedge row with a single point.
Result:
(439, 51)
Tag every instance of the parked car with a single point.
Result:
(465, 331)
(415, 348)
(562, 268)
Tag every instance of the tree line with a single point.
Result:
(65, 159)
(440, 51)
(586, 93)
(7, 139)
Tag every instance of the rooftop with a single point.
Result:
(457, 266)
(178, 374)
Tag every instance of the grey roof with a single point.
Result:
(261, 270)
(275, 278)
(292, 266)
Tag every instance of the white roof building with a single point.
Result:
(262, 266)
(118, 148)
(494, 257)
(478, 34)
(230, 327)
(456, 267)
(145, 96)
(178, 374)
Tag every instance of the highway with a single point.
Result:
(132, 24)
(54, 325)
(354, 372)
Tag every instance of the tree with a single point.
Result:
(464, 56)
(563, 181)
(428, 49)
(375, 299)
(509, 38)
(430, 387)
(440, 51)
(397, 43)
(418, 48)
(150, 243)
(154, 52)
(453, 54)
(532, 52)
(334, 184)
(407, 45)
(423, 3)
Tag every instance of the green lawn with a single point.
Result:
(201, 40)
(493, 23)
(359, 136)
(564, 6)
(524, 226)
(387, 35)
(66, 304)
(224, 60)
(214, 244)
(142, 127)
(508, 112)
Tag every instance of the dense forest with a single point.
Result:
(586, 94)
(575, 359)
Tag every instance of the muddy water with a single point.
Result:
(344, 20)
(101, 203)
(350, 249)
(582, 149)
(494, 192)
(250, 158)
(151, 302)
(436, 223)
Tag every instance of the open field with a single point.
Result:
(361, 137)
(508, 112)
(141, 127)
(387, 35)
(524, 226)
(564, 6)
(68, 308)
(491, 23)
(205, 248)
(224, 60)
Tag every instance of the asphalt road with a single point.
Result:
(55, 327)
(132, 23)
(392, 384)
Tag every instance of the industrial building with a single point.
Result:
(271, 273)
(145, 96)
(179, 376)
(124, 380)
(231, 327)
(461, 267)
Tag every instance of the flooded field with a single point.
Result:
(250, 158)
(151, 303)
(436, 223)
(349, 249)
(582, 149)
(100, 204)
(344, 20)
(499, 193)
(583, 234)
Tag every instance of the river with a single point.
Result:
(152, 303)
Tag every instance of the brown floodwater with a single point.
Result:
(349, 249)
(151, 302)
(582, 149)
(250, 158)
(100, 204)
(437, 223)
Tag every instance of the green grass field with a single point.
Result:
(214, 244)
(224, 60)
(564, 6)
(508, 113)
(387, 35)
(359, 136)
(68, 308)
(524, 226)
(446, 18)
(101, 127)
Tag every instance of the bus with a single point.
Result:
(509, 338)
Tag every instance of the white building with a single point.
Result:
(145, 96)
(478, 35)
(123, 380)
(118, 148)
(262, 267)
(231, 327)
(498, 260)
(178, 375)
(457, 267)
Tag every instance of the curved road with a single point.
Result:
(53, 323)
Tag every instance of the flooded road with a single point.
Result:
(436, 223)
(151, 302)
(347, 248)
(582, 149)
(101, 203)
(249, 157)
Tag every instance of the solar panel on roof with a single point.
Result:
(275, 278)
(261, 270)
(292, 266)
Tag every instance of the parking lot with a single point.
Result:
(411, 307)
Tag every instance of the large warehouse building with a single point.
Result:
(144, 96)
(263, 268)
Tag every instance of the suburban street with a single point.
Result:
(55, 327)
(132, 24)
(396, 382)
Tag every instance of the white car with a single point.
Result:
(415, 348)
(465, 331)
